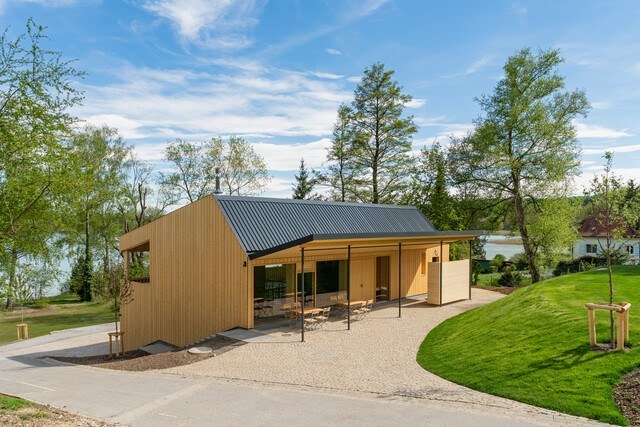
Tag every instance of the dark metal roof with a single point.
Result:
(262, 224)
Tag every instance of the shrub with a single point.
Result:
(39, 303)
(576, 265)
(520, 262)
(511, 279)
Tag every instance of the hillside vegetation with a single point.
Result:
(533, 346)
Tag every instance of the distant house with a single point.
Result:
(593, 238)
(224, 262)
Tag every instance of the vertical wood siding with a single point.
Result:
(198, 284)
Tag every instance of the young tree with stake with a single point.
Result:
(615, 214)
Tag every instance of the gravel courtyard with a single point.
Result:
(377, 356)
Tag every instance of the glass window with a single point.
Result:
(630, 249)
(592, 249)
(332, 276)
(273, 281)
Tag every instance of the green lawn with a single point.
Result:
(533, 346)
(62, 312)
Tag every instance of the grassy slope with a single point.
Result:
(63, 312)
(532, 346)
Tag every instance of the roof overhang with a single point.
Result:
(363, 240)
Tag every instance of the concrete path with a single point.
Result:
(159, 398)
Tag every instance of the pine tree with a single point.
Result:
(381, 150)
(304, 184)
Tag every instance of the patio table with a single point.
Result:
(307, 311)
(346, 304)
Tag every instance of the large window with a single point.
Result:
(592, 249)
(331, 276)
(274, 281)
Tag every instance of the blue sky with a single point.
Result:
(276, 71)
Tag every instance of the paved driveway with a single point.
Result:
(200, 395)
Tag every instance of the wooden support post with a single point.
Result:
(349, 287)
(441, 256)
(592, 327)
(470, 266)
(399, 279)
(626, 325)
(302, 300)
(621, 331)
(23, 331)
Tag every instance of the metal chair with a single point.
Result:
(323, 317)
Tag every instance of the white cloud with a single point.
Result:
(215, 24)
(329, 76)
(281, 157)
(416, 103)
(153, 103)
(601, 105)
(333, 51)
(473, 68)
(583, 181)
(478, 65)
(366, 7)
(618, 149)
(520, 12)
(354, 79)
(584, 130)
(56, 3)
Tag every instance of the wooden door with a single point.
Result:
(363, 279)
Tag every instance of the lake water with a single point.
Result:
(505, 245)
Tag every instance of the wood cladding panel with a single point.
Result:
(198, 284)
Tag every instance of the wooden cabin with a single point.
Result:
(224, 262)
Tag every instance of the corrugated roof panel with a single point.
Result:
(263, 223)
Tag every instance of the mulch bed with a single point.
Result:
(505, 290)
(138, 360)
(627, 397)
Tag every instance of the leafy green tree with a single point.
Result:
(524, 147)
(429, 189)
(339, 173)
(552, 229)
(381, 149)
(242, 171)
(36, 93)
(615, 214)
(304, 183)
(194, 177)
(114, 286)
(142, 201)
(97, 156)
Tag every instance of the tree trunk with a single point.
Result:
(106, 255)
(13, 265)
(524, 234)
(374, 177)
(612, 334)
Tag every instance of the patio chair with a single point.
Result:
(310, 321)
(366, 309)
(356, 311)
(289, 314)
(323, 317)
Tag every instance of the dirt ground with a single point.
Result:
(627, 396)
(35, 415)
(138, 360)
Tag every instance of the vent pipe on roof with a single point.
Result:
(217, 190)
